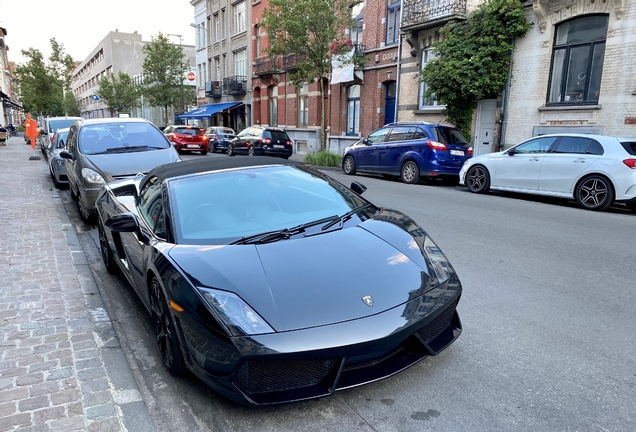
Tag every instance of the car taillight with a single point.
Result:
(469, 151)
(266, 140)
(289, 142)
(436, 145)
(630, 163)
(203, 137)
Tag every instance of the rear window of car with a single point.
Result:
(60, 124)
(225, 132)
(274, 134)
(189, 131)
(446, 135)
(630, 146)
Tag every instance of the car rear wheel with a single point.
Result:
(349, 165)
(595, 193)
(478, 179)
(107, 255)
(165, 334)
(204, 152)
(230, 150)
(410, 173)
(250, 151)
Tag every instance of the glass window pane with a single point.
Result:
(588, 28)
(577, 74)
(539, 145)
(353, 91)
(401, 134)
(378, 136)
(558, 66)
(596, 72)
(572, 145)
(594, 148)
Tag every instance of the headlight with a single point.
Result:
(436, 260)
(59, 162)
(237, 315)
(92, 176)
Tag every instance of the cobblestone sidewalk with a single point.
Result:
(61, 365)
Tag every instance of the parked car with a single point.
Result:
(219, 137)
(188, 139)
(49, 126)
(410, 150)
(99, 151)
(595, 170)
(262, 140)
(227, 269)
(57, 167)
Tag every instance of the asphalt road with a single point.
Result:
(547, 311)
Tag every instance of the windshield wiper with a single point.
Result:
(125, 149)
(282, 234)
(342, 219)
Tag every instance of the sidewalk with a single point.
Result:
(61, 365)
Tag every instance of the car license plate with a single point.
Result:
(193, 146)
(457, 153)
(279, 146)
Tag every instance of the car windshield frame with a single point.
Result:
(219, 208)
(60, 124)
(102, 138)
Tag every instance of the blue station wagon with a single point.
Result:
(410, 151)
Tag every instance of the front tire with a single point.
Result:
(86, 214)
(594, 193)
(349, 165)
(410, 173)
(250, 151)
(230, 150)
(165, 334)
(204, 152)
(478, 179)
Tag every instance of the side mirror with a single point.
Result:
(365, 141)
(64, 154)
(125, 222)
(358, 188)
(511, 152)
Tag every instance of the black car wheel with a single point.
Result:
(230, 150)
(86, 215)
(410, 173)
(107, 254)
(595, 193)
(165, 334)
(204, 152)
(213, 150)
(250, 151)
(349, 165)
(478, 179)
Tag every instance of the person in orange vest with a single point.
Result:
(31, 129)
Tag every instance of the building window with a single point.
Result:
(303, 105)
(222, 23)
(239, 17)
(272, 94)
(353, 110)
(217, 69)
(426, 102)
(357, 15)
(577, 60)
(239, 63)
(258, 41)
(217, 28)
(393, 22)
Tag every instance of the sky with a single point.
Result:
(81, 24)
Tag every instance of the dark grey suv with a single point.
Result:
(262, 140)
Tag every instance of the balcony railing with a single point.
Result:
(267, 65)
(421, 11)
(236, 85)
(359, 50)
(290, 61)
(213, 89)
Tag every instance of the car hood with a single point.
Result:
(130, 164)
(311, 281)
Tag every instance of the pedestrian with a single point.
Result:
(11, 129)
(3, 136)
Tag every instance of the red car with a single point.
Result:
(188, 139)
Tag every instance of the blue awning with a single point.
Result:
(206, 111)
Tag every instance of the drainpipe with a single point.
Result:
(399, 66)
(504, 104)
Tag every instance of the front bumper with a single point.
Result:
(316, 362)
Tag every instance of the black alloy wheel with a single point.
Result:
(349, 165)
(250, 151)
(204, 152)
(478, 179)
(410, 173)
(165, 334)
(107, 254)
(86, 214)
(595, 193)
(230, 150)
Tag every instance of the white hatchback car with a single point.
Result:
(596, 170)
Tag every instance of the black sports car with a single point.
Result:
(274, 283)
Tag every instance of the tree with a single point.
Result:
(119, 91)
(308, 29)
(163, 70)
(473, 58)
(71, 104)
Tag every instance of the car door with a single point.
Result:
(242, 139)
(519, 167)
(71, 164)
(566, 161)
(399, 141)
(368, 155)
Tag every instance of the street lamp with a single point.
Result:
(181, 85)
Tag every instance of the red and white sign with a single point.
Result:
(191, 76)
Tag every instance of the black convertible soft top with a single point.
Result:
(207, 164)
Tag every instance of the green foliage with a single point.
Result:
(119, 91)
(323, 158)
(473, 58)
(71, 104)
(307, 28)
(43, 85)
(163, 70)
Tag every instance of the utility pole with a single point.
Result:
(181, 84)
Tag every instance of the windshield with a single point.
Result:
(221, 207)
(60, 138)
(100, 138)
(59, 124)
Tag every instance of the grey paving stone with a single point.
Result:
(88, 363)
(101, 411)
(44, 415)
(107, 425)
(97, 398)
(91, 373)
(136, 417)
(69, 424)
(33, 378)
(36, 428)
(33, 403)
(44, 366)
(60, 373)
(94, 385)
(7, 409)
(14, 394)
(7, 423)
